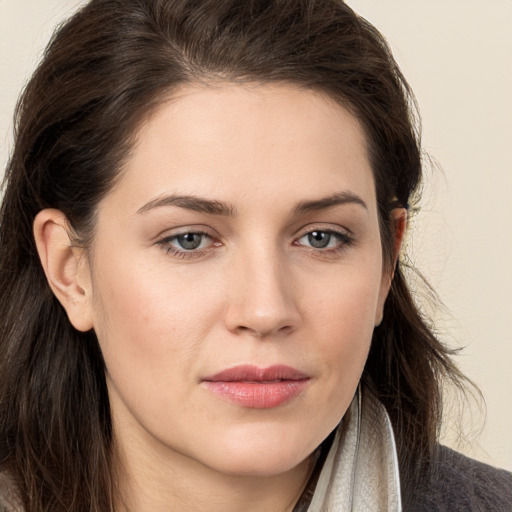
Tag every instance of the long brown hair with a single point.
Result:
(103, 72)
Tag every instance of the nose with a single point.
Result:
(262, 302)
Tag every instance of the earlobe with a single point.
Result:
(65, 267)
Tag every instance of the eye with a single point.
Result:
(318, 239)
(324, 239)
(188, 243)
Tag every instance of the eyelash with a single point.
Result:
(343, 241)
(184, 253)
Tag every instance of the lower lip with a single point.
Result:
(258, 395)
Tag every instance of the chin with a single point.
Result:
(259, 466)
(261, 455)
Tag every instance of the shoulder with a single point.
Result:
(458, 484)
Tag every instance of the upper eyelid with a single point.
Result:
(175, 232)
(330, 231)
(187, 232)
(342, 236)
(183, 230)
(177, 235)
(330, 228)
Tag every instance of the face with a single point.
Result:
(236, 277)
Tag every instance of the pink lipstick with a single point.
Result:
(258, 388)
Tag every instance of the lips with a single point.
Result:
(258, 388)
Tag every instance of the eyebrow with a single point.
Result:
(330, 201)
(215, 207)
(197, 204)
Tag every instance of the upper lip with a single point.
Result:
(250, 373)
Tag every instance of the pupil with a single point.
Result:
(189, 241)
(319, 239)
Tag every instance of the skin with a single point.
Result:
(255, 291)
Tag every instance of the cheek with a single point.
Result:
(148, 321)
(150, 329)
(343, 318)
(345, 300)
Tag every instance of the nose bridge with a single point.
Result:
(262, 302)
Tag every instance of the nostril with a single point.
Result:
(261, 301)
(263, 332)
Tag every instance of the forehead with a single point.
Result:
(251, 141)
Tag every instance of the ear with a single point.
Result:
(66, 267)
(399, 221)
(399, 226)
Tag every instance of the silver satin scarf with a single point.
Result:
(360, 473)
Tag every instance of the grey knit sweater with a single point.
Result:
(461, 484)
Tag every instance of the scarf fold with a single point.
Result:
(360, 473)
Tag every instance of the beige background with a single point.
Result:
(457, 56)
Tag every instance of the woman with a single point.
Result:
(202, 304)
